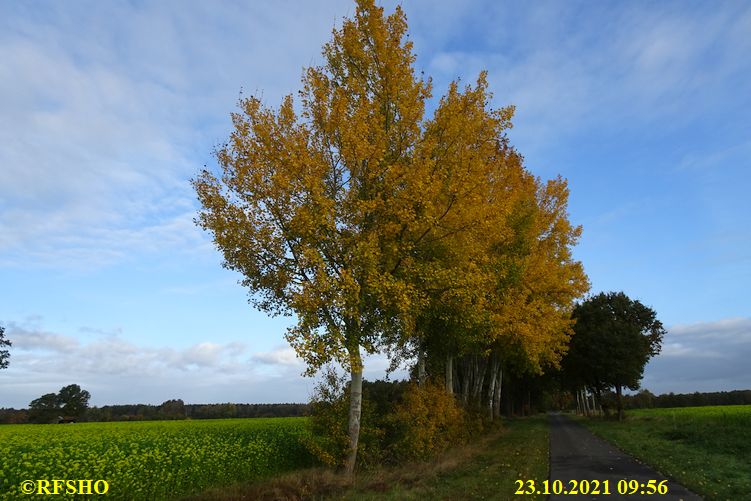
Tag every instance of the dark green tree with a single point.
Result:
(172, 409)
(44, 409)
(614, 337)
(73, 401)
(4, 354)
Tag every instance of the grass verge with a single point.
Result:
(485, 469)
(707, 449)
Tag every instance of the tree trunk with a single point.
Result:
(598, 401)
(491, 386)
(497, 396)
(450, 374)
(467, 370)
(355, 407)
(595, 403)
(420, 366)
(481, 367)
(585, 401)
(619, 393)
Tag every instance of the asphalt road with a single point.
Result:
(576, 454)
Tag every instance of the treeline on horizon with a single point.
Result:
(521, 404)
(647, 400)
(169, 410)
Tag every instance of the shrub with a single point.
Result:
(426, 422)
(399, 421)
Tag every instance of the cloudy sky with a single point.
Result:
(107, 109)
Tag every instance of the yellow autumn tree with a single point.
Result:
(357, 215)
(536, 308)
(537, 283)
(321, 210)
(472, 169)
(504, 286)
(501, 284)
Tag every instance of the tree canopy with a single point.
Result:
(73, 401)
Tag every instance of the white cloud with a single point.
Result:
(116, 370)
(707, 356)
(29, 340)
(613, 69)
(108, 111)
(284, 355)
(90, 172)
(728, 332)
(204, 354)
(48, 358)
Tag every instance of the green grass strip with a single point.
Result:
(707, 449)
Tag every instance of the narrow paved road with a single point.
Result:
(576, 454)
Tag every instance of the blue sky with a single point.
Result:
(107, 109)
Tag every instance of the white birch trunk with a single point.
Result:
(497, 396)
(467, 366)
(491, 387)
(580, 394)
(585, 398)
(355, 408)
(420, 366)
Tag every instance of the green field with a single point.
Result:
(707, 449)
(151, 459)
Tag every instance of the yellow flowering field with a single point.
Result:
(148, 459)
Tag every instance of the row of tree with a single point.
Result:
(177, 409)
(169, 410)
(386, 231)
(523, 396)
(647, 400)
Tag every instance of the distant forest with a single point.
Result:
(169, 410)
(645, 399)
(176, 409)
